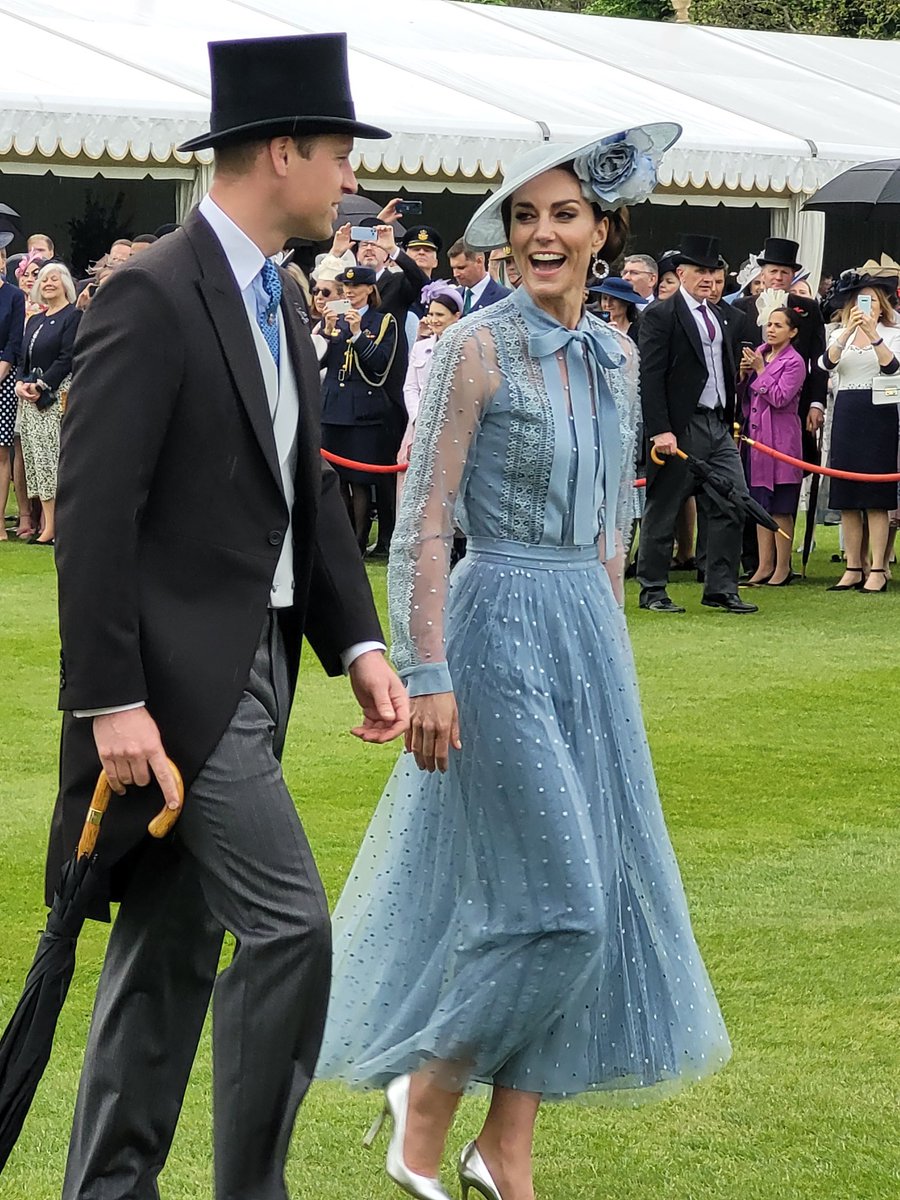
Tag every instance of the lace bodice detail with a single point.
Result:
(526, 432)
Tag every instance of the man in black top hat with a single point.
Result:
(687, 394)
(196, 388)
(779, 266)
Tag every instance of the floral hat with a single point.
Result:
(441, 290)
(615, 170)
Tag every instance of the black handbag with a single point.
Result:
(47, 398)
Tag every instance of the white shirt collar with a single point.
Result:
(244, 256)
(695, 304)
(478, 289)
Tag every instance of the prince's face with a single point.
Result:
(319, 176)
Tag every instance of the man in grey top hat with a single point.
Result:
(196, 389)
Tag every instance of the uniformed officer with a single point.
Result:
(357, 417)
(423, 245)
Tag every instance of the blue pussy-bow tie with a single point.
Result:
(587, 350)
(559, 338)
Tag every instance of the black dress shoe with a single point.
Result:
(660, 604)
(730, 601)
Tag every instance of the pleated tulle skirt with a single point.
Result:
(523, 914)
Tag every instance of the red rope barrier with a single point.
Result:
(369, 468)
(392, 468)
(860, 476)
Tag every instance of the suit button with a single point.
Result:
(276, 537)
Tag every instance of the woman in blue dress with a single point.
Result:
(515, 915)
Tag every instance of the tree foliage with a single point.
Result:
(839, 18)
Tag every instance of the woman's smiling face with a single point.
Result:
(554, 233)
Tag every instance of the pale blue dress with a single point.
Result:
(523, 913)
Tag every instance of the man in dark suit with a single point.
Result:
(687, 394)
(471, 274)
(779, 266)
(196, 390)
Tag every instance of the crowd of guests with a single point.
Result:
(40, 307)
(756, 348)
(791, 368)
(792, 371)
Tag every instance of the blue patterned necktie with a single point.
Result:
(267, 318)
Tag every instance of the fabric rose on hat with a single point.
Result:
(619, 170)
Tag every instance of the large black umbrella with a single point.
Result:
(866, 190)
(723, 492)
(28, 1039)
(9, 225)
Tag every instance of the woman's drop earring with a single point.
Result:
(599, 267)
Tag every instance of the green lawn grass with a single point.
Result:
(774, 738)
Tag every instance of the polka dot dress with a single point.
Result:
(522, 915)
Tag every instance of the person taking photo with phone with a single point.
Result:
(864, 435)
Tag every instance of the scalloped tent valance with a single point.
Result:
(465, 87)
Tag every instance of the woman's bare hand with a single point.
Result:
(433, 730)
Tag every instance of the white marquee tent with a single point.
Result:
(112, 87)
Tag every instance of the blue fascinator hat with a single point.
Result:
(614, 170)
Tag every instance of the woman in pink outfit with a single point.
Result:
(772, 378)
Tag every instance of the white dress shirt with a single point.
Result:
(714, 392)
(246, 261)
(477, 291)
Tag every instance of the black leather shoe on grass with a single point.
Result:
(661, 604)
(730, 601)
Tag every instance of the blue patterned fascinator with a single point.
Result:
(614, 170)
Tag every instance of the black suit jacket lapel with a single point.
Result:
(727, 340)
(225, 306)
(306, 370)
(689, 325)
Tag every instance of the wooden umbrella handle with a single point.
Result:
(164, 821)
(161, 824)
(660, 460)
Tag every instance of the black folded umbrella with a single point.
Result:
(869, 189)
(723, 492)
(28, 1039)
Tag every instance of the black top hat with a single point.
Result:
(699, 250)
(272, 87)
(422, 236)
(355, 275)
(779, 252)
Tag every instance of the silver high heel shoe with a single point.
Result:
(396, 1106)
(473, 1173)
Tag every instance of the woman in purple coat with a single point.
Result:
(772, 378)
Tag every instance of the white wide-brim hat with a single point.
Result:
(615, 169)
